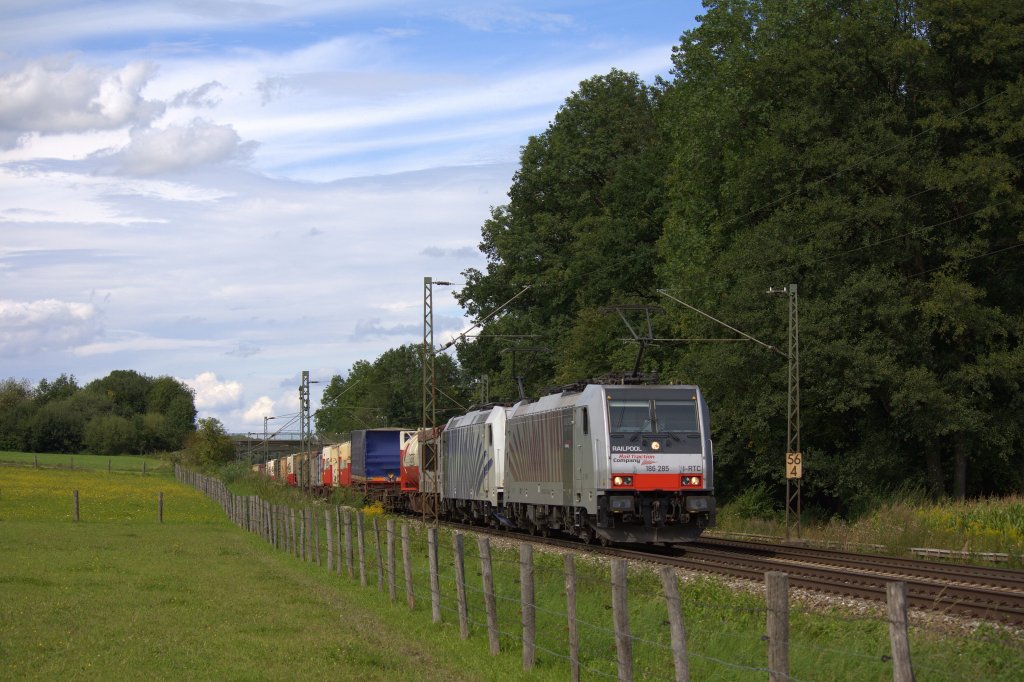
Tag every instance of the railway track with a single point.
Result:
(991, 594)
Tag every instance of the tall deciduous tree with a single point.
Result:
(870, 152)
(580, 228)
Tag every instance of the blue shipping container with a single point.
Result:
(376, 454)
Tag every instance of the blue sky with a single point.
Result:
(232, 192)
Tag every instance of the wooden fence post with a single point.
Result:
(73, 463)
(435, 581)
(76, 506)
(348, 544)
(307, 519)
(160, 508)
(362, 548)
(407, 566)
(484, 546)
(143, 466)
(338, 539)
(282, 528)
(896, 598)
(294, 533)
(330, 539)
(392, 591)
(777, 585)
(380, 555)
(315, 519)
(108, 465)
(620, 613)
(675, 621)
(529, 609)
(570, 611)
(460, 585)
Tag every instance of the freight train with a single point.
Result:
(612, 463)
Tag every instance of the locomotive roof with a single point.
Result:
(476, 416)
(570, 398)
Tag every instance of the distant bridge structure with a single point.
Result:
(250, 447)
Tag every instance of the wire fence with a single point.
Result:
(627, 625)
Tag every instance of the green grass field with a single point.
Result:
(119, 595)
(129, 463)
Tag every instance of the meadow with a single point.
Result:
(119, 595)
(128, 463)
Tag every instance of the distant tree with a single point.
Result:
(63, 387)
(127, 390)
(16, 411)
(110, 434)
(55, 427)
(175, 403)
(152, 414)
(210, 444)
(388, 392)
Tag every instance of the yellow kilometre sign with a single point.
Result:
(794, 465)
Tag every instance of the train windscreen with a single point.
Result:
(676, 416)
(630, 416)
(653, 416)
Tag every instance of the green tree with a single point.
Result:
(16, 410)
(55, 427)
(210, 445)
(581, 228)
(388, 392)
(63, 387)
(127, 390)
(110, 434)
(170, 413)
(870, 153)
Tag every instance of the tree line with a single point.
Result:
(388, 392)
(868, 151)
(125, 412)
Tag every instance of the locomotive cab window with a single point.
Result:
(676, 416)
(630, 416)
(586, 421)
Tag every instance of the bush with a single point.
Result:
(755, 502)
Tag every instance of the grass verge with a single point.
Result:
(906, 521)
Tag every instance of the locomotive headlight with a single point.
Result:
(622, 480)
(617, 480)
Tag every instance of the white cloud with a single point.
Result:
(179, 147)
(198, 98)
(263, 407)
(53, 96)
(212, 393)
(29, 194)
(135, 342)
(47, 325)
